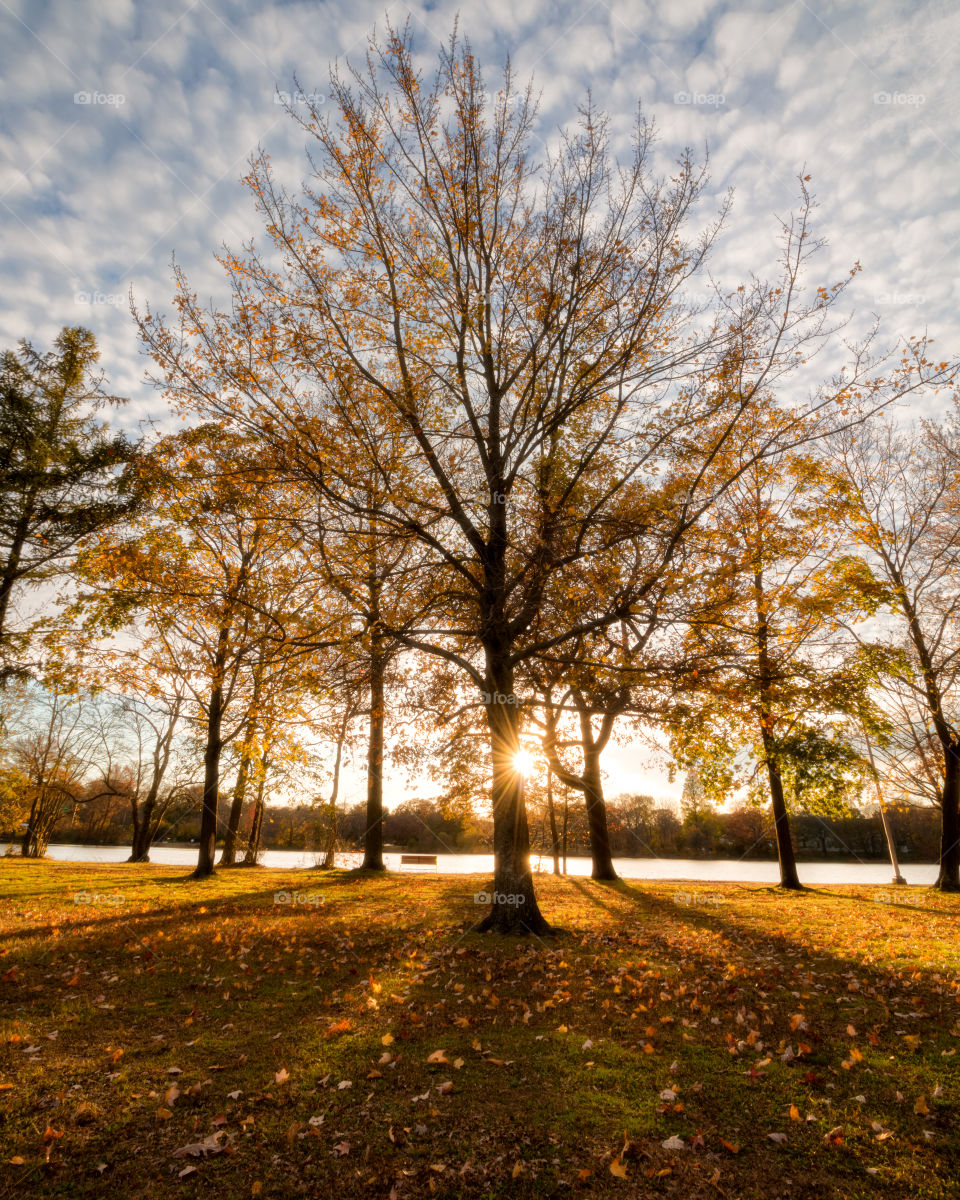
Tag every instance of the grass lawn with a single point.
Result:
(163, 1037)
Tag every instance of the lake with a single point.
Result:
(701, 870)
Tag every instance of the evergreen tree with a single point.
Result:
(58, 467)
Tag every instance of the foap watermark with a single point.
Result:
(499, 698)
(495, 898)
(109, 99)
(692, 899)
(113, 900)
(902, 298)
(290, 98)
(309, 899)
(700, 99)
(905, 99)
(114, 298)
(910, 899)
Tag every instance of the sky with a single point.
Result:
(125, 128)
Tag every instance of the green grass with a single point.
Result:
(557, 1051)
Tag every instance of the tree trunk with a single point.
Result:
(256, 822)
(143, 832)
(329, 856)
(11, 565)
(566, 819)
(514, 907)
(373, 835)
(781, 821)
(29, 847)
(228, 854)
(887, 832)
(589, 783)
(603, 867)
(554, 843)
(788, 863)
(211, 781)
(948, 879)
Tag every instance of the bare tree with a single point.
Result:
(904, 484)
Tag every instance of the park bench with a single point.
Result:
(418, 862)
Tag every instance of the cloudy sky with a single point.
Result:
(125, 127)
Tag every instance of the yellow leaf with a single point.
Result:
(617, 1168)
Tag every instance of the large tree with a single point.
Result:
(521, 328)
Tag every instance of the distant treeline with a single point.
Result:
(638, 828)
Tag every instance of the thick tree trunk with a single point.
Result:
(603, 867)
(143, 837)
(551, 809)
(948, 879)
(514, 906)
(373, 835)
(781, 822)
(143, 825)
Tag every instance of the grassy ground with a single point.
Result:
(162, 1037)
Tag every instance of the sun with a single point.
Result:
(523, 762)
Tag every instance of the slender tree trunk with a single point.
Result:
(566, 819)
(514, 908)
(373, 835)
(11, 566)
(781, 821)
(948, 879)
(256, 822)
(551, 809)
(329, 856)
(590, 783)
(788, 863)
(211, 772)
(887, 833)
(228, 854)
